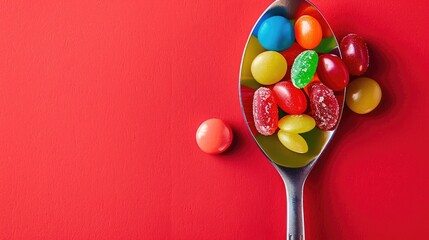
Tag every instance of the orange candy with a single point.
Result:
(214, 136)
(306, 9)
(308, 32)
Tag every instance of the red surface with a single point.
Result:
(100, 101)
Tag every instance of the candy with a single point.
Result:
(274, 11)
(308, 32)
(327, 45)
(289, 98)
(214, 136)
(332, 72)
(307, 9)
(324, 106)
(363, 95)
(269, 67)
(276, 33)
(293, 141)
(303, 68)
(297, 123)
(355, 54)
(265, 112)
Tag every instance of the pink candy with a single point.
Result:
(265, 112)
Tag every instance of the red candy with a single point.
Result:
(324, 106)
(265, 112)
(214, 136)
(332, 72)
(289, 98)
(355, 54)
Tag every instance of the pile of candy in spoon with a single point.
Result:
(300, 81)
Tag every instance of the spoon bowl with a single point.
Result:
(293, 167)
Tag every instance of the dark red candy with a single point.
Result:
(290, 99)
(324, 106)
(332, 72)
(265, 111)
(355, 54)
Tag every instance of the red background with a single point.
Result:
(100, 101)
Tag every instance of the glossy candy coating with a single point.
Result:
(324, 106)
(312, 11)
(293, 141)
(303, 68)
(214, 136)
(269, 67)
(297, 123)
(363, 95)
(355, 54)
(290, 99)
(308, 32)
(265, 111)
(332, 72)
(276, 33)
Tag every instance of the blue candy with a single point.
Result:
(276, 34)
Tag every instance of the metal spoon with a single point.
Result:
(294, 168)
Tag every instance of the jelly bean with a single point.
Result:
(308, 32)
(332, 72)
(297, 123)
(327, 45)
(289, 98)
(307, 9)
(274, 11)
(355, 54)
(293, 141)
(269, 67)
(324, 106)
(363, 95)
(303, 68)
(214, 136)
(265, 112)
(253, 49)
(276, 33)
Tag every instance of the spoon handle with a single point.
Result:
(295, 210)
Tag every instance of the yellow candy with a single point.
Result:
(363, 95)
(269, 67)
(293, 141)
(253, 49)
(297, 123)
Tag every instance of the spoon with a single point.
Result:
(294, 168)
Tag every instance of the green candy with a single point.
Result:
(326, 45)
(303, 68)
